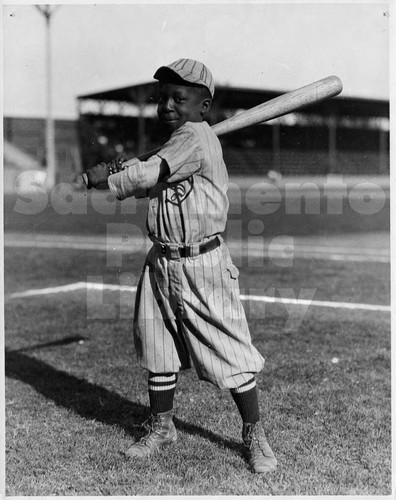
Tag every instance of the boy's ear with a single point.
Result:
(206, 104)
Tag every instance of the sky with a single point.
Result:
(280, 46)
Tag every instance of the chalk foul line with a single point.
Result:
(71, 287)
(82, 285)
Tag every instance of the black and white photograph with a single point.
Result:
(197, 249)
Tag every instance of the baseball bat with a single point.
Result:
(286, 103)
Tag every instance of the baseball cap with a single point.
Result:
(188, 70)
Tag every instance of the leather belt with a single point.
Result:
(174, 251)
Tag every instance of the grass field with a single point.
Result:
(75, 396)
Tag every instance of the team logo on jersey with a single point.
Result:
(178, 192)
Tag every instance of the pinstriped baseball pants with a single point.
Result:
(189, 310)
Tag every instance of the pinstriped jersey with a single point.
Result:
(191, 204)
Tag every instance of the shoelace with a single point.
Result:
(253, 437)
(151, 425)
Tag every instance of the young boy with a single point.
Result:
(187, 305)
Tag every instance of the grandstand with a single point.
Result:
(343, 135)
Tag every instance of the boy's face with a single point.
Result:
(178, 104)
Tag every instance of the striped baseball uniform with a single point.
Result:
(188, 308)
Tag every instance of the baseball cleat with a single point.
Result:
(259, 453)
(161, 432)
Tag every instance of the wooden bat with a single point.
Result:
(286, 103)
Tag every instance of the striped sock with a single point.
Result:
(246, 400)
(161, 388)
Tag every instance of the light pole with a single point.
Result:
(50, 155)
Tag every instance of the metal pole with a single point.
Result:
(50, 135)
(49, 128)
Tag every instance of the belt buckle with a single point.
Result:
(174, 252)
(163, 248)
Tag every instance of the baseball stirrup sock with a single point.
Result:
(161, 391)
(246, 400)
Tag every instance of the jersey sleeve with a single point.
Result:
(183, 153)
(136, 179)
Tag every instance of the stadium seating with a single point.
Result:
(289, 162)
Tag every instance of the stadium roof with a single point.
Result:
(244, 98)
